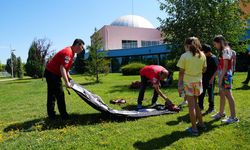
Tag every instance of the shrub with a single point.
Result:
(171, 65)
(132, 69)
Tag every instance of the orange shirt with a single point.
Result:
(64, 57)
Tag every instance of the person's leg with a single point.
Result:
(201, 97)
(60, 99)
(198, 111)
(192, 113)
(142, 90)
(248, 75)
(222, 101)
(50, 97)
(211, 97)
(231, 102)
(155, 97)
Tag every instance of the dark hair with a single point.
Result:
(78, 42)
(220, 39)
(195, 45)
(206, 48)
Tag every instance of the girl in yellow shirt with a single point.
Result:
(192, 64)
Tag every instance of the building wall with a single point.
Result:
(113, 35)
(245, 8)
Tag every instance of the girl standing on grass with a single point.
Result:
(225, 79)
(192, 64)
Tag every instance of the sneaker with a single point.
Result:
(218, 116)
(139, 106)
(230, 120)
(201, 126)
(153, 105)
(192, 132)
(173, 107)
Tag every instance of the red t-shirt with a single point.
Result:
(64, 57)
(152, 72)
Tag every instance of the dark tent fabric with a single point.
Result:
(96, 102)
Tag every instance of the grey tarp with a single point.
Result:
(96, 102)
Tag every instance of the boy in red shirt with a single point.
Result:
(154, 74)
(56, 68)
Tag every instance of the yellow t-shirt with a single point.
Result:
(193, 66)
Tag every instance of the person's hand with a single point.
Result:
(68, 85)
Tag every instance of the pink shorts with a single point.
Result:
(193, 89)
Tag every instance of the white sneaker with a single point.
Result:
(153, 105)
(218, 116)
(230, 120)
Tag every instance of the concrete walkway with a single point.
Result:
(10, 79)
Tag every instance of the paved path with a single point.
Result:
(11, 79)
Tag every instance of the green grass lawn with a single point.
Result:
(23, 123)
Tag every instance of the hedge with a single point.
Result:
(132, 69)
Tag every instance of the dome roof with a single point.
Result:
(132, 21)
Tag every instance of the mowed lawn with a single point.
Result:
(23, 123)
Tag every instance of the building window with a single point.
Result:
(149, 43)
(129, 44)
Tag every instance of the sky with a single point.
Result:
(61, 21)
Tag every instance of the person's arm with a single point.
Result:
(211, 81)
(64, 76)
(215, 68)
(157, 88)
(69, 77)
(234, 61)
(180, 82)
(224, 70)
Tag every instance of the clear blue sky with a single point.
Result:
(62, 21)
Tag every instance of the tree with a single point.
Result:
(19, 68)
(11, 61)
(1, 67)
(203, 19)
(79, 64)
(96, 63)
(38, 54)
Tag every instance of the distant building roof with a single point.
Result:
(151, 50)
(132, 21)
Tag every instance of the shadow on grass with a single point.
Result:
(121, 88)
(184, 118)
(169, 139)
(244, 87)
(90, 83)
(42, 124)
(129, 107)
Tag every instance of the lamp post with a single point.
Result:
(11, 50)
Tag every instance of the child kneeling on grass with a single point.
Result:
(192, 64)
(225, 75)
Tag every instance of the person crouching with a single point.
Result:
(152, 75)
